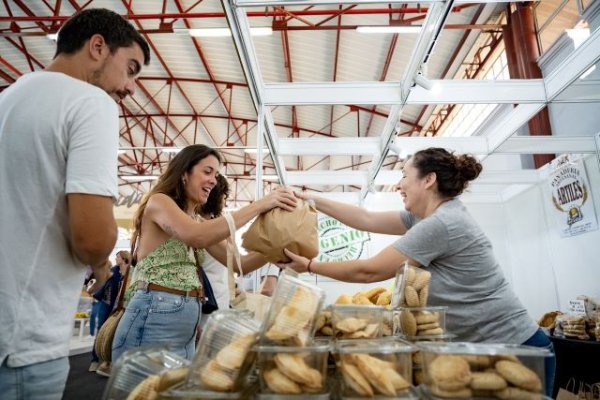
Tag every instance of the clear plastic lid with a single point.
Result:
(224, 358)
(139, 369)
(381, 346)
(295, 306)
(483, 349)
(318, 346)
(190, 392)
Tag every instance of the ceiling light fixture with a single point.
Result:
(139, 178)
(271, 178)
(254, 151)
(174, 150)
(389, 29)
(221, 32)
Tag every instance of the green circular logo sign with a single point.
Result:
(338, 242)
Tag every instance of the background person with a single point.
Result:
(165, 286)
(440, 235)
(59, 134)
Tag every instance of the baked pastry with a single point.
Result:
(374, 293)
(410, 275)
(487, 381)
(232, 356)
(408, 323)
(374, 371)
(355, 380)
(279, 383)
(172, 377)
(344, 299)
(514, 393)
(431, 332)
(368, 332)
(288, 323)
(422, 279)
(215, 378)
(411, 296)
(146, 389)
(463, 393)
(423, 295)
(450, 373)
(426, 317)
(349, 325)
(478, 362)
(384, 298)
(429, 325)
(294, 367)
(519, 375)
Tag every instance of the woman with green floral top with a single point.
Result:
(164, 307)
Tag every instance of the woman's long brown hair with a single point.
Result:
(171, 184)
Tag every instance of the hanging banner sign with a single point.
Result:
(338, 242)
(572, 205)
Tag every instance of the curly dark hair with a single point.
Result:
(116, 31)
(453, 172)
(216, 199)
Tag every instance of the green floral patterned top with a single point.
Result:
(171, 265)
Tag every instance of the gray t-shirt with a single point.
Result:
(465, 276)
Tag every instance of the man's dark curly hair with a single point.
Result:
(116, 31)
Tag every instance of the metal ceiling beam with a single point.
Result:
(391, 177)
(443, 92)
(270, 3)
(333, 147)
(240, 31)
(474, 145)
(575, 64)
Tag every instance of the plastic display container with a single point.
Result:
(482, 371)
(223, 359)
(188, 392)
(411, 287)
(381, 367)
(143, 373)
(420, 323)
(294, 309)
(357, 321)
(293, 372)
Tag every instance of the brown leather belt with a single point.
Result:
(159, 288)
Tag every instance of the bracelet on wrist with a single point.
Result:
(308, 266)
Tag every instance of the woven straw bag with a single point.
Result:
(106, 334)
(104, 338)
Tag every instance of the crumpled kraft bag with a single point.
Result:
(279, 229)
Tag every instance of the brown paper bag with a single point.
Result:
(279, 229)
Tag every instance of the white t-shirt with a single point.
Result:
(58, 135)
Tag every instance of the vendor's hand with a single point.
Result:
(282, 197)
(304, 195)
(298, 263)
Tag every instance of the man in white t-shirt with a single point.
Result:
(59, 134)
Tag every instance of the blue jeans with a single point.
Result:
(102, 311)
(41, 381)
(94, 317)
(154, 318)
(540, 339)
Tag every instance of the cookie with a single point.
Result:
(411, 274)
(431, 332)
(408, 323)
(423, 295)
(327, 330)
(487, 381)
(514, 393)
(430, 325)
(478, 362)
(374, 371)
(369, 331)
(171, 377)
(355, 380)
(519, 375)
(463, 393)
(215, 378)
(426, 317)
(411, 297)
(450, 373)
(232, 356)
(279, 383)
(146, 389)
(422, 279)
(349, 325)
(294, 367)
